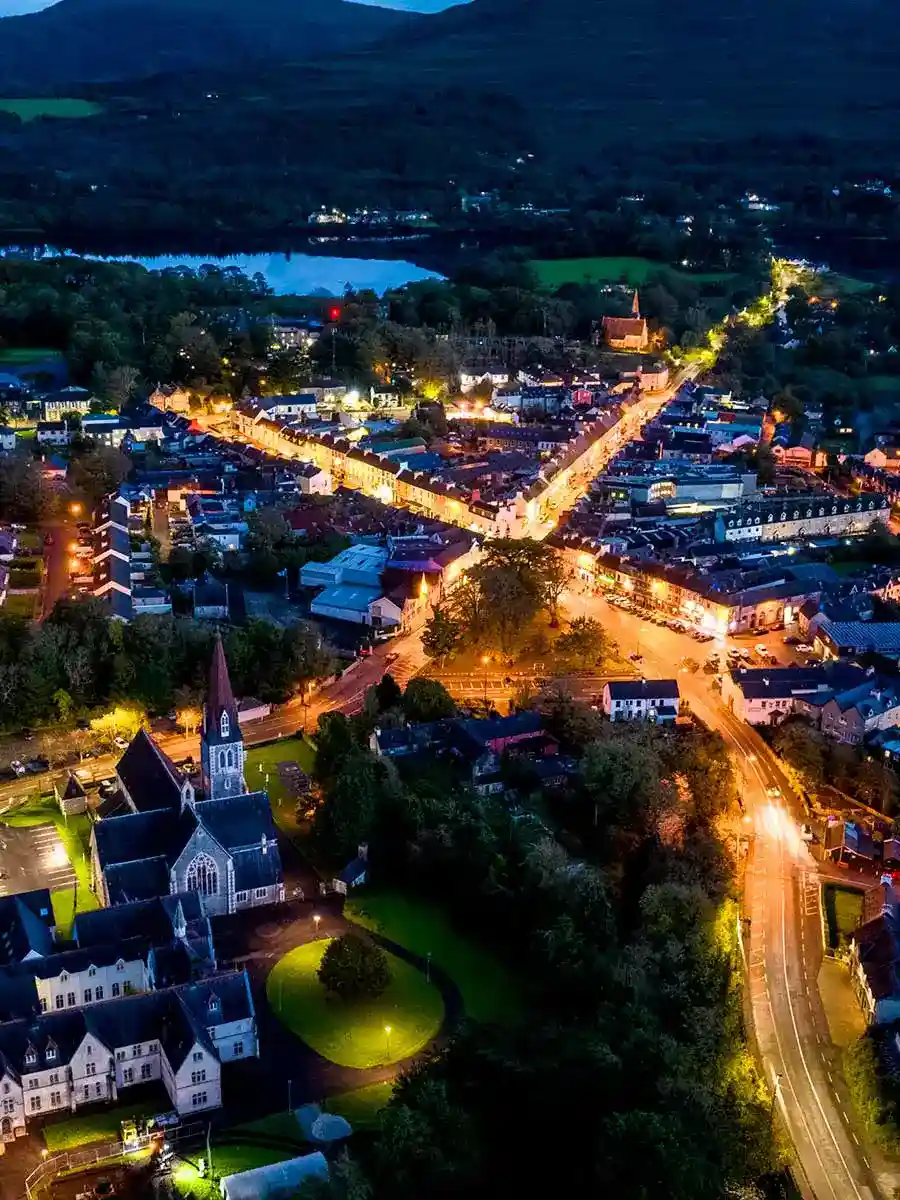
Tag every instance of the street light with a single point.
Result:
(485, 659)
(316, 920)
(387, 1030)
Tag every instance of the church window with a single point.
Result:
(230, 757)
(223, 725)
(203, 876)
(221, 760)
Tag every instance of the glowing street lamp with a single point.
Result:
(316, 920)
(387, 1030)
(75, 509)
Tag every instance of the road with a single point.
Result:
(57, 556)
(782, 943)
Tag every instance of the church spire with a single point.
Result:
(221, 744)
(636, 305)
(220, 701)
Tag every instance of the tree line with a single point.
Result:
(612, 901)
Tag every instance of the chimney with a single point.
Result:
(362, 851)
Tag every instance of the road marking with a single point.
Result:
(855, 1138)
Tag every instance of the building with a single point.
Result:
(219, 840)
(842, 699)
(112, 556)
(7, 439)
(795, 517)
(210, 599)
(301, 404)
(52, 433)
(849, 639)
(67, 401)
(884, 458)
(641, 699)
(63, 1061)
(313, 481)
(874, 961)
(357, 565)
(171, 398)
(627, 333)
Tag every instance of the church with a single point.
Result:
(168, 835)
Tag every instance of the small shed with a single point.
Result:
(278, 1181)
(73, 799)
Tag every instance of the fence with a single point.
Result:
(65, 1162)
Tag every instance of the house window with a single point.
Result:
(55, 1099)
(127, 989)
(98, 1089)
(54, 1078)
(120, 1056)
(70, 999)
(32, 1083)
(128, 1075)
(198, 1100)
(88, 995)
(6, 1089)
(89, 1051)
(198, 1077)
(221, 760)
(203, 876)
(242, 897)
(9, 1106)
(137, 1051)
(99, 994)
(60, 1001)
(152, 1047)
(120, 966)
(224, 725)
(90, 1068)
(30, 1057)
(87, 1091)
(229, 757)
(238, 1050)
(35, 1104)
(43, 1004)
(115, 989)
(92, 971)
(261, 893)
(197, 1056)
(146, 1070)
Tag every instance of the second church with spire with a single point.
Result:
(167, 836)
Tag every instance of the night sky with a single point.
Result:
(9, 7)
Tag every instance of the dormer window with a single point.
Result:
(224, 725)
(92, 971)
(63, 976)
(51, 1054)
(213, 1004)
(30, 1056)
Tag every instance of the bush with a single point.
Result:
(24, 579)
(872, 1092)
(354, 969)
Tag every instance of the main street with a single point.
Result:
(782, 940)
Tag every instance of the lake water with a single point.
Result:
(302, 273)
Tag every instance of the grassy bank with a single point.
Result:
(843, 913)
(553, 273)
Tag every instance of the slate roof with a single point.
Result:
(26, 920)
(143, 879)
(236, 821)
(253, 869)
(149, 776)
(74, 790)
(644, 689)
(136, 836)
(219, 699)
(154, 919)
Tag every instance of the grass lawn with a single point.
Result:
(843, 912)
(30, 539)
(489, 991)
(104, 1125)
(554, 273)
(283, 1125)
(48, 106)
(354, 1035)
(227, 1159)
(361, 1106)
(264, 760)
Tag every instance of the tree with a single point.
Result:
(584, 644)
(442, 635)
(354, 969)
(388, 693)
(123, 721)
(427, 700)
(555, 577)
(804, 748)
(99, 472)
(115, 385)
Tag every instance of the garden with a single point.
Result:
(375, 1027)
(843, 913)
(261, 771)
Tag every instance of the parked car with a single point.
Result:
(121, 742)
(762, 649)
(18, 768)
(804, 648)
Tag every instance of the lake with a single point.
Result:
(302, 273)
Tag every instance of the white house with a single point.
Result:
(641, 699)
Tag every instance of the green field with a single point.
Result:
(843, 912)
(489, 991)
(264, 760)
(99, 1126)
(553, 273)
(30, 109)
(354, 1035)
(226, 1160)
(361, 1106)
(21, 606)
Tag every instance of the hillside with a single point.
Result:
(79, 41)
(534, 98)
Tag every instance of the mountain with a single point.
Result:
(82, 41)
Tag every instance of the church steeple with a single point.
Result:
(636, 305)
(221, 743)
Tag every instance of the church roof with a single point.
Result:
(219, 700)
(141, 880)
(253, 869)
(148, 775)
(236, 821)
(154, 919)
(137, 836)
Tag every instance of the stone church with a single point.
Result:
(167, 835)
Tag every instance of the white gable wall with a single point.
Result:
(72, 990)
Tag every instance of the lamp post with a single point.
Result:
(485, 659)
(316, 920)
(387, 1030)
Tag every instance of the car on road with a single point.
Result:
(18, 768)
(804, 648)
(762, 649)
(773, 791)
(790, 640)
(121, 742)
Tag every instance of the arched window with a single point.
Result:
(223, 724)
(203, 876)
(230, 758)
(221, 760)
